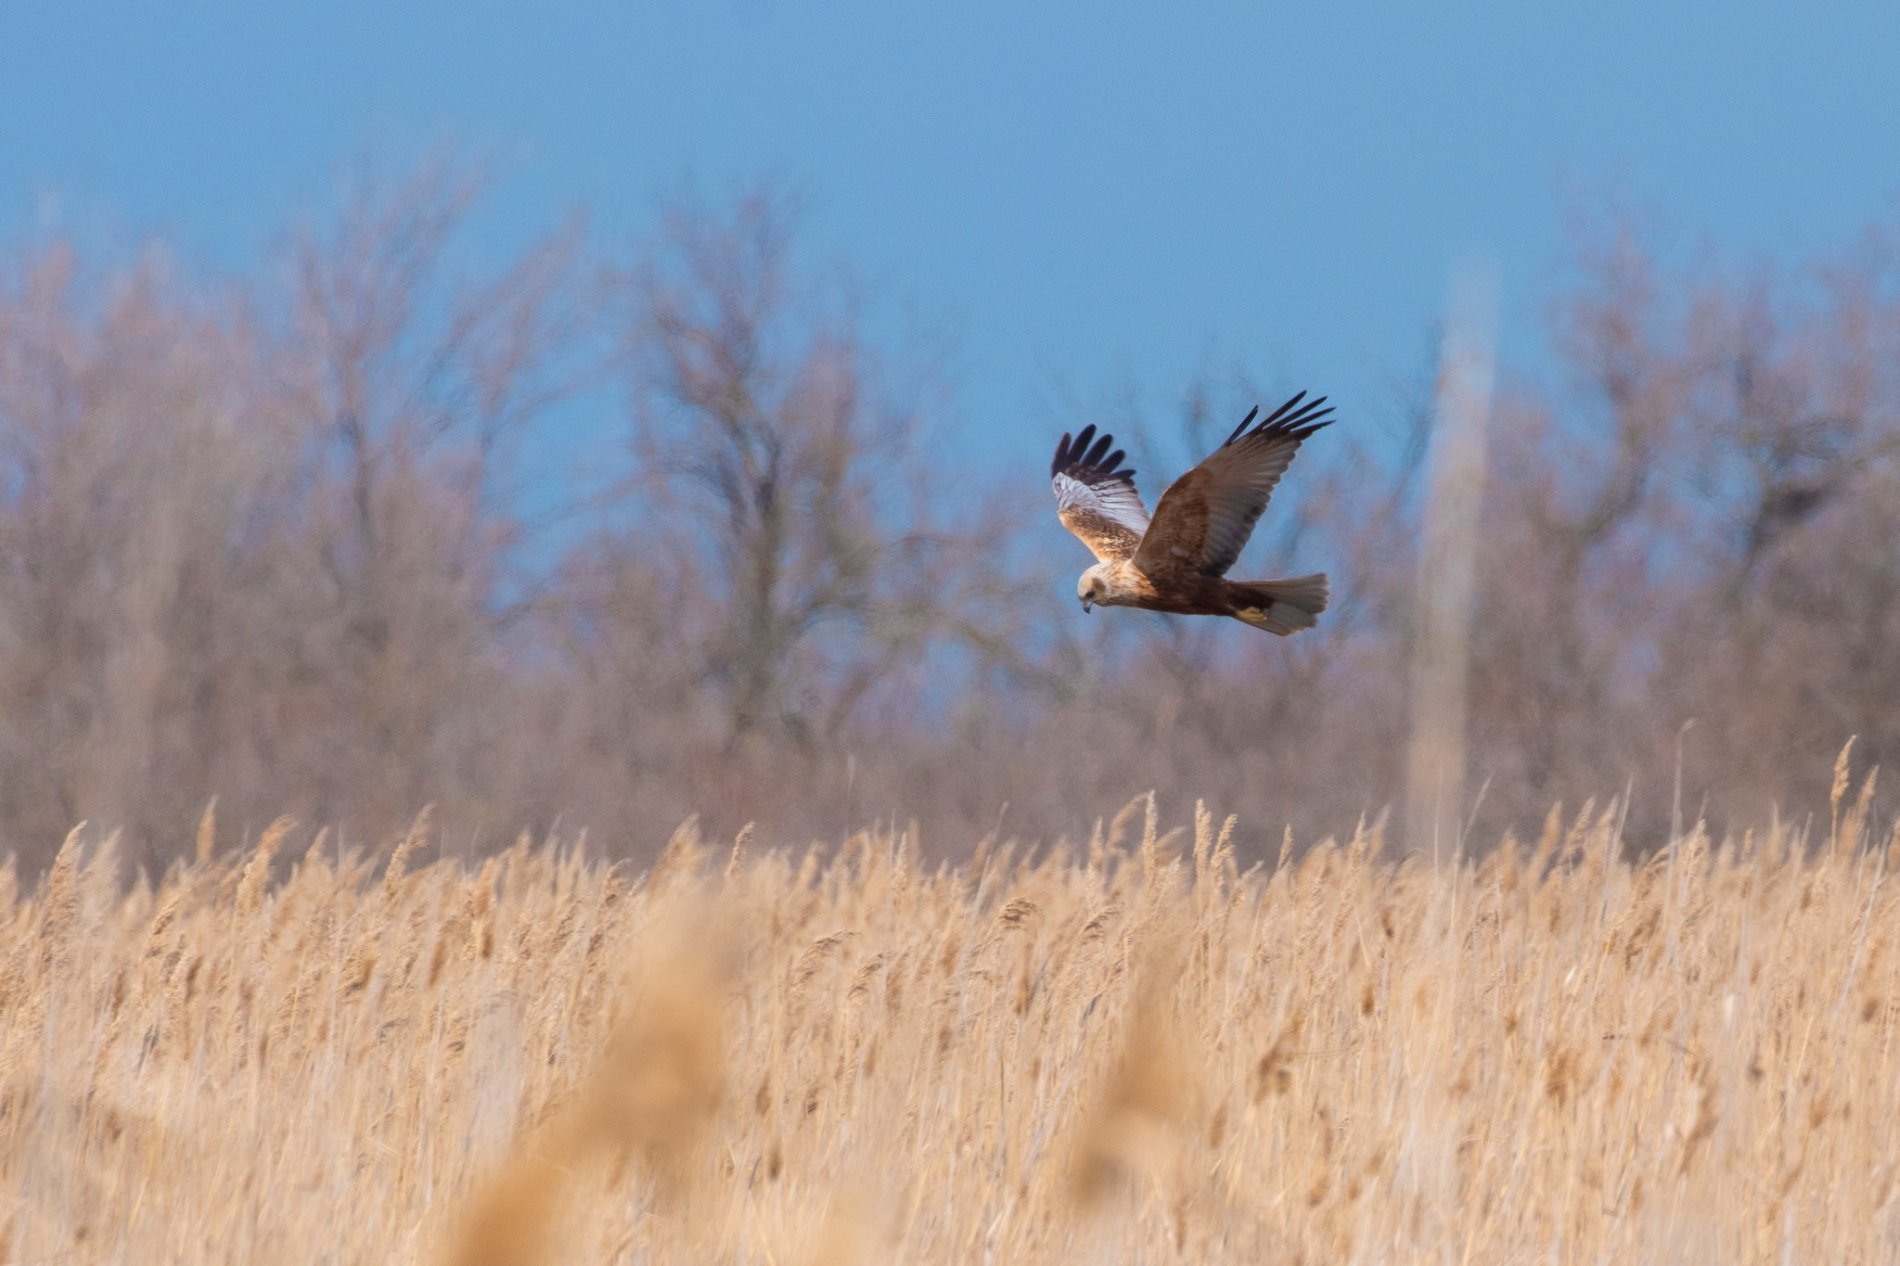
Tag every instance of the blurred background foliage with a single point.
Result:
(272, 537)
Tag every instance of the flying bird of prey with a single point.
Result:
(1178, 560)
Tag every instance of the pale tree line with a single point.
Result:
(272, 539)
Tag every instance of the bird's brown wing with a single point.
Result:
(1095, 498)
(1206, 516)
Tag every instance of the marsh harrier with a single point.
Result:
(1178, 560)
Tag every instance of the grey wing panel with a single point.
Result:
(1095, 496)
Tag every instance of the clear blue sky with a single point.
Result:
(1086, 194)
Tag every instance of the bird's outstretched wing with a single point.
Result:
(1206, 516)
(1095, 498)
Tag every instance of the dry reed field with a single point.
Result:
(1135, 1051)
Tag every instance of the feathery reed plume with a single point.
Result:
(414, 838)
(1447, 571)
(650, 1094)
(207, 841)
(1134, 1124)
(255, 876)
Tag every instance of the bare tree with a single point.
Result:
(140, 448)
(785, 458)
(419, 386)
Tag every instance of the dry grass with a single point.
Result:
(1132, 1054)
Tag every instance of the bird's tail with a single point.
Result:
(1278, 606)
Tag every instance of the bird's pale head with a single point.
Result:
(1092, 587)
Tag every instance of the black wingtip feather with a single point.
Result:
(1251, 414)
(1289, 406)
(1086, 458)
(1292, 420)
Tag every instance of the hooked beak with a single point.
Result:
(1088, 607)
